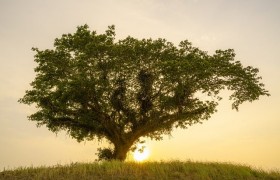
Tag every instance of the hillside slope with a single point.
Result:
(146, 170)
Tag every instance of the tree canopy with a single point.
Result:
(94, 86)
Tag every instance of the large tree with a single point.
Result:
(94, 86)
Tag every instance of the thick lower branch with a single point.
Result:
(164, 123)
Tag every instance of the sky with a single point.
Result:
(250, 136)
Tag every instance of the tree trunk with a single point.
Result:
(121, 149)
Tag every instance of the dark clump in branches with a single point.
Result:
(93, 86)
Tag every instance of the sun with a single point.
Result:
(141, 155)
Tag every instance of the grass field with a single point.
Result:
(147, 170)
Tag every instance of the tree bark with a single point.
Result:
(121, 150)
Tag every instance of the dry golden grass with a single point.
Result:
(146, 170)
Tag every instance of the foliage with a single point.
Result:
(93, 86)
(106, 154)
(147, 170)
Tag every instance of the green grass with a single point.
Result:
(147, 170)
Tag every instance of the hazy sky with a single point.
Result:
(252, 27)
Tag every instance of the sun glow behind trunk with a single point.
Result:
(141, 153)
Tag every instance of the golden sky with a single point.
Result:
(250, 136)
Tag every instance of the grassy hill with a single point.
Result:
(147, 170)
